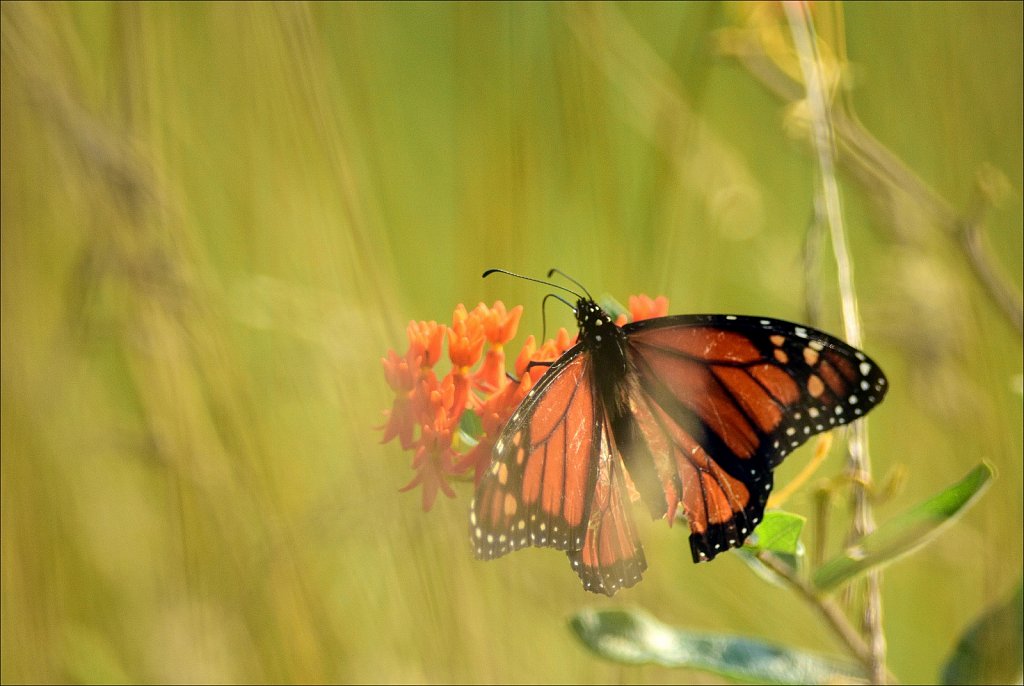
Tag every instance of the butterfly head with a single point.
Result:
(595, 324)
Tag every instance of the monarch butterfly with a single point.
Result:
(697, 410)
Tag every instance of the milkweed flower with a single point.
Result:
(434, 459)
(401, 421)
(426, 412)
(425, 343)
(499, 327)
(643, 307)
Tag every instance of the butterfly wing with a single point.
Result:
(555, 481)
(611, 557)
(717, 401)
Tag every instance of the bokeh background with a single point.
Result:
(216, 218)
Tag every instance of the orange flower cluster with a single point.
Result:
(427, 412)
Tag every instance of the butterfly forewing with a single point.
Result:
(537, 490)
(768, 384)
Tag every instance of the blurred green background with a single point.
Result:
(216, 218)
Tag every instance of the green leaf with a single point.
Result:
(778, 532)
(470, 427)
(906, 532)
(612, 306)
(990, 650)
(634, 637)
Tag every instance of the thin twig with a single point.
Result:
(827, 608)
(972, 238)
(859, 462)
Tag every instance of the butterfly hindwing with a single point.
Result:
(611, 557)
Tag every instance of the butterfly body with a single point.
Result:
(694, 410)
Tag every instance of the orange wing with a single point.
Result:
(611, 557)
(718, 401)
(555, 481)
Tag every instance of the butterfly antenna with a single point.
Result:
(546, 283)
(554, 271)
(544, 312)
